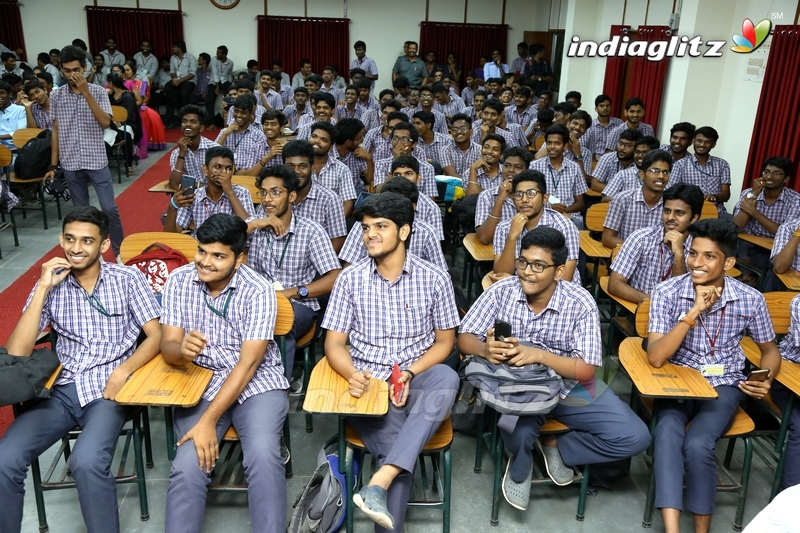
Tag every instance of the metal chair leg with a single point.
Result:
(746, 464)
(447, 496)
(138, 437)
(36, 473)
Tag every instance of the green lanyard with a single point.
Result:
(279, 264)
(553, 178)
(224, 312)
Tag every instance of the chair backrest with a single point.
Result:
(133, 244)
(709, 210)
(20, 137)
(615, 252)
(119, 113)
(643, 318)
(779, 307)
(596, 215)
(5, 156)
(250, 183)
(285, 319)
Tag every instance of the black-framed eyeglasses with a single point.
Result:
(403, 140)
(530, 193)
(224, 312)
(458, 129)
(776, 173)
(98, 306)
(275, 193)
(537, 266)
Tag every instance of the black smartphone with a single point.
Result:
(188, 181)
(502, 330)
(758, 375)
(228, 100)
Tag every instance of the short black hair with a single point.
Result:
(266, 72)
(426, 117)
(272, 114)
(495, 104)
(530, 175)
(80, 43)
(524, 91)
(223, 48)
(391, 102)
(89, 214)
(654, 156)
(691, 194)
(33, 84)
(304, 62)
(495, 137)
(348, 130)
(707, 132)
(462, 116)
(46, 76)
(630, 102)
(557, 129)
(218, 151)
(403, 187)
(298, 148)
(314, 78)
(192, 109)
(5, 86)
(724, 233)
(546, 115)
(573, 94)
(649, 141)
(389, 205)
(357, 72)
(384, 93)
(535, 49)
(410, 128)
(565, 107)
(405, 161)
(225, 229)
(631, 135)
(322, 96)
(67, 55)
(252, 63)
(301, 90)
(360, 44)
(245, 83)
(583, 116)
(783, 163)
(5, 56)
(330, 129)
(549, 239)
(686, 127)
(206, 56)
(395, 115)
(363, 83)
(438, 88)
(245, 101)
(600, 98)
(180, 44)
(286, 173)
(518, 151)
(277, 62)
(44, 57)
(401, 82)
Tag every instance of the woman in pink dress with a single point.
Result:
(154, 136)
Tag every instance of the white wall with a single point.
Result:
(383, 25)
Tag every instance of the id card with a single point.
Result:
(712, 370)
(554, 199)
(277, 285)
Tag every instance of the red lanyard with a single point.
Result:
(666, 275)
(713, 341)
(217, 207)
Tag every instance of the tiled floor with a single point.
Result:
(551, 509)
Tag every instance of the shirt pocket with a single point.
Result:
(415, 320)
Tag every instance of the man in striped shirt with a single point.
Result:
(365, 63)
(634, 112)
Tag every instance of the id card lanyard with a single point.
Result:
(712, 341)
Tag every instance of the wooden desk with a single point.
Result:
(790, 278)
(160, 384)
(788, 375)
(592, 192)
(250, 183)
(328, 393)
(477, 252)
(763, 242)
(162, 187)
(630, 306)
(595, 251)
(52, 379)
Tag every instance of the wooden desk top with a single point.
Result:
(163, 187)
(328, 393)
(592, 247)
(52, 379)
(250, 183)
(160, 384)
(592, 192)
(764, 242)
(630, 306)
(790, 278)
(788, 375)
(669, 381)
(478, 251)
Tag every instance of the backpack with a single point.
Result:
(322, 505)
(156, 262)
(464, 211)
(23, 378)
(34, 158)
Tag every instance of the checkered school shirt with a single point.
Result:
(427, 181)
(391, 322)
(518, 134)
(461, 161)
(193, 161)
(248, 146)
(439, 149)
(80, 136)
(549, 219)
(709, 178)
(645, 260)
(782, 237)
(623, 180)
(522, 118)
(371, 105)
(486, 200)
(43, 119)
(372, 119)
(486, 182)
(291, 114)
(91, 345)
(439, 123)
(274, 99)
(598, 134)
(259, 111)
(569, 326)
(294, 258)
(455, 106)
(613, 137)
(505, 134)
(287, 95)
(367, 65)
(356, 167)
(336, 176)
(744, 308)
(565, 184)
(203, 207)
(324, 207)
(790, 345)
(341, 112)
(786, 206)
(628, 212)
(608, 166)
(424, 244)
(251, 311)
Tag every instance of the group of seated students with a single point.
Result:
(382, 293)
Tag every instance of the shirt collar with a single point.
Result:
(103, 272)
(408, 267)
(639, 197)
(232, 283)
(557, 300)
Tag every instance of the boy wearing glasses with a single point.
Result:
(640, 207)
(556, 324)
(293, 253)
(404, 138)
(98, 310)
(464, 151)
(530, 197)
(190, 205)
(495, 204)
(220, 314)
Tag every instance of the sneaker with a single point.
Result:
(372, 500)
(557, 469)
(285, 453)
(518, 495)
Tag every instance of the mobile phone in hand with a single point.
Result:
(394, 380)
(502, 330)
(758, 375)
(188, 181)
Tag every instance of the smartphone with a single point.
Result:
(228, 100)
(758, 375)
(502, 330)
(394, 380)
(188, 181)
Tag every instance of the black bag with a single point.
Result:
(464, 210)
(34, 158)
(468, 407)
(23, 378)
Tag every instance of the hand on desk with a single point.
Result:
(204, 435)
(358, 383)
(192, 345)
(114, 384)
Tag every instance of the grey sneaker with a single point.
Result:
(372, 500)
(518, 495)
(285, 455)
(557, 469)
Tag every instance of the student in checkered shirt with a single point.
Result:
(220, 314)
(697, 321)
(634, 112)
(556, 324)
(98, 309)
(349, 151)
(710, 173)
(395, 309)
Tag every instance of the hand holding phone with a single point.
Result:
(758, 375)
(188, 182)
(502, 330)
(396, 386)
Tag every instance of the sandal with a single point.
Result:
(129, 172)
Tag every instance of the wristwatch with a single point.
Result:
(302, 292)
(688, 321)
(749, 195)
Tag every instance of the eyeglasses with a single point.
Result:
(530, 193)
(274, 193)
(537, 266)
(402, 140)
(776, 173)
(656, 172)
(224, 312)
(460, 129)
(426, 96)
(97, 305)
